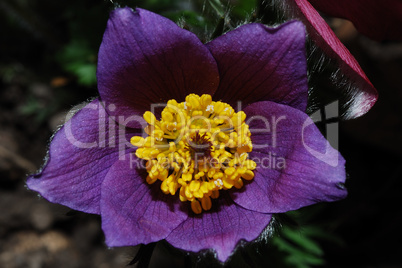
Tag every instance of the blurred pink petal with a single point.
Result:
(322, 35)
(378, 19)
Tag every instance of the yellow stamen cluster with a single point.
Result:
(198, 147)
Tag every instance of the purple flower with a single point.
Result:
(145, 59)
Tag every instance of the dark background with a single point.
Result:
(47, 64)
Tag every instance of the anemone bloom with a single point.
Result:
(267, 158)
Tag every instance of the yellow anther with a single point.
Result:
(172, 146)
(187, 176)
(198, 194)
(149, 141)
(139, 152)
(227, 183)
(167, 116)
(163, 174)
(137, 141)
(241, 170)
(218, 107)
(165, 185)
(206, 203)
(229, 171)
(198, 175)
(250, 164)
(204, 187)
(238, 183)
(243, 157)
(172, 106)
(196, 207)
(234, 176)
(223, 136)
(161, 157)
(150, 118)
(242, 116)
(173, 187)
(231, 143)
(154, 170)
(172, 126)
(211, 172)
(158, 134)
(150, 164)
(206, 100)
(175, 166)
(151, 180)
(228, 111)
(215, 194)
(245, 148)
(193, 100)
(153, 153)
(218, 120)
(182, 194)
(185, 106)
(218, 175)
(211, 185)
(187, 193)
(248, 175)
(149, 129)
(194, 186)
(238, 119)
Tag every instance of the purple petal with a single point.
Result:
(257, 63)
(80, 155)
(147, 59)
(220, 229)
(296, 166)
(134, 212)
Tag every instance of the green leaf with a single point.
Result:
(296, 256)
(299, 238)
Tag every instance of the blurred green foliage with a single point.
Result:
(68, 35)
(301, 249)
(79, 59)
(299, 238)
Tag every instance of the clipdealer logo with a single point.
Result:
(327, 119)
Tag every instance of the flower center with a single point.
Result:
(198, 148)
